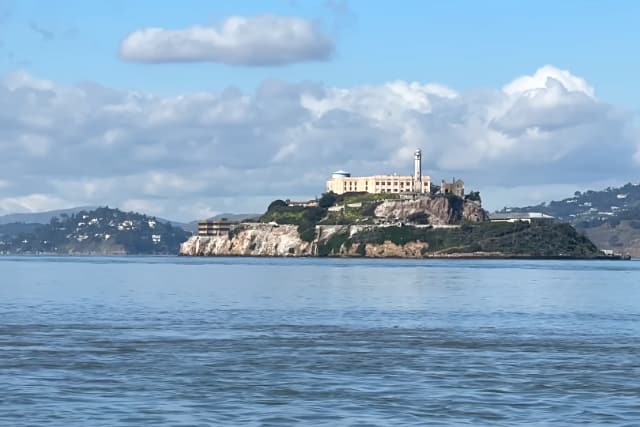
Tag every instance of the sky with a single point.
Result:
(187, 109)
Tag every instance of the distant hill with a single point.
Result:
(40, 217)
(610, 217)
(590, 205)
(98, 231)
(8, 231)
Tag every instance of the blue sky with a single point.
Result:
(184, 109)
(464, 44)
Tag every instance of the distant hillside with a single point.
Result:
(610, 218)
(40, 217)
(98, 231)
(591, 205)
(8, 231)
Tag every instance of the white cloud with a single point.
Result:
(240, 40)
(538, 80)
(188, 155)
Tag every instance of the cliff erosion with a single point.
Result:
(253, 239)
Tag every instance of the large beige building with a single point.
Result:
(342, 182)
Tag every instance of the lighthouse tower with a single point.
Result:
(417, 171)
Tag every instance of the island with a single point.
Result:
(388, 225)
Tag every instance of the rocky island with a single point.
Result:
(360, 224)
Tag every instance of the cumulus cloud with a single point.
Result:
(239, 40)
(193, 154)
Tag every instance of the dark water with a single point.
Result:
(191, 342)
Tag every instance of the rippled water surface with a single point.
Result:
(190, 342)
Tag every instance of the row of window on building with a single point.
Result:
(382, 183)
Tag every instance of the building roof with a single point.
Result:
(520, 215)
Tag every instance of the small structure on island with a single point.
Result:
(530, 217)
(303, 203)
(219, 227)
(342, 182)
(455, 187)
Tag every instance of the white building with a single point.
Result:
(342, 182)
(521, 216)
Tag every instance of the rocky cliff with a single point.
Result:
(376, 241)
(438, 210)
(258, 239)
(250, 240)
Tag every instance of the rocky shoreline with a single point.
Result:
(350, 241)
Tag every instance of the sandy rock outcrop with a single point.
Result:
(388, 250)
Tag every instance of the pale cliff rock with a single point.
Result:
(440, 210)
(250, 240)
(473, 212)
(389, 250)
(284, 241)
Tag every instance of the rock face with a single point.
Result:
(439, 210)
(250, 240)
(283, 241)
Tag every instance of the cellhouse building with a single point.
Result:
(342, 182)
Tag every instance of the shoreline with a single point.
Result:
(462, 256)
(435, 257)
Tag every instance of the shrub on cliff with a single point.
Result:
(327, 200)
(332, 245)
(276, 205)
(474, 196)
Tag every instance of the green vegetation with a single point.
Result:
(474, 196)
(327, 200)
(306, 218)
(332, 245)
(362, 197)
(523, 239)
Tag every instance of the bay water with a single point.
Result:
(131, 341)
